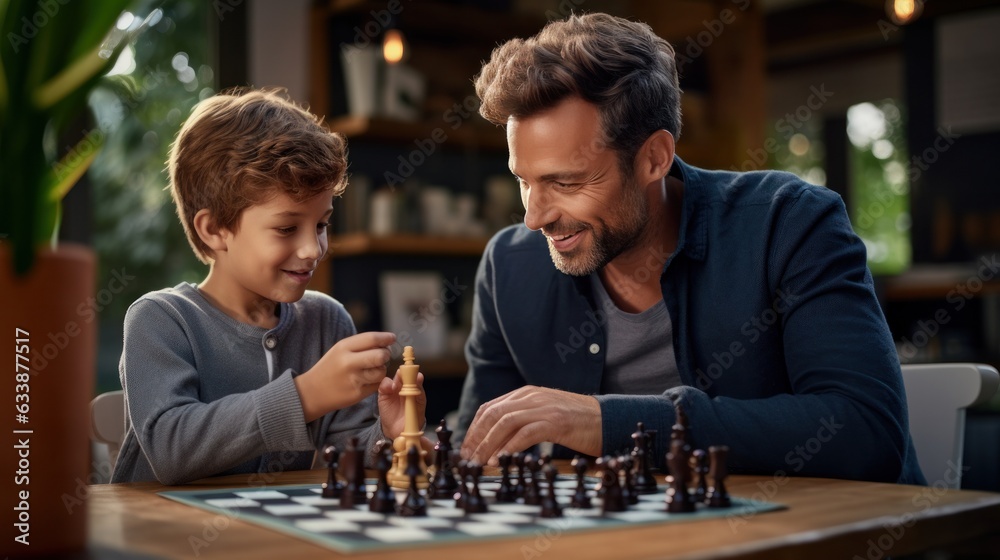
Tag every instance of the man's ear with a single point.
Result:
(209, 232)
(655, 157)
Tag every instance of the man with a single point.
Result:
(745, 298)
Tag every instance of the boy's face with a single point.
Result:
(277, 246)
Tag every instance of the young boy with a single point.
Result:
(247, 371)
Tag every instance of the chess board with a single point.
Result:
(301, 511)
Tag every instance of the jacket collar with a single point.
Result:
(693, 238)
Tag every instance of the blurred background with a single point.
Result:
(893, 104)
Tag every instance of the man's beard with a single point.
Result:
(607, 241)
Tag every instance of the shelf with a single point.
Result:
(468, 134)
(359, 244)
(437, 368)
(937, 282)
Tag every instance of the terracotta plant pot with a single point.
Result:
(50, 328)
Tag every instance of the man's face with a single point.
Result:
(572, 187)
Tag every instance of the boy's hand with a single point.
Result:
(391, 405)
(346, 374)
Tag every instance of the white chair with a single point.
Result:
(107, 421)
(937, 396)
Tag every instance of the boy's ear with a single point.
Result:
(209, 231)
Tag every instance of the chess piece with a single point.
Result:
(522, 478)
(678, 499)
(353, 493)
(383, 500)
(644, 482)
(414, 505)
(651, 453)
(410, 437)
(474, 502)
(443, 485)
(699, 465)
(629, 494)
(550, 506)
(532, 494)
(463, 490)
(332, 487)
(716, 496)
(613, 500)
(580, 497)
(505, 494)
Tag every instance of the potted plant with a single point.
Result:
(52, 54)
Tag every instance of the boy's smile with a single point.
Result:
(270, 257)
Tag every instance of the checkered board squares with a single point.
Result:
(303, 512)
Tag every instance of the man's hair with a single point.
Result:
(621, 66)
(241, 148)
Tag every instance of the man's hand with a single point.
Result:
(391, 406)
(531, 415)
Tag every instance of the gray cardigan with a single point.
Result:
(208, 395)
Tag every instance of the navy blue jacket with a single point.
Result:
(781, 345)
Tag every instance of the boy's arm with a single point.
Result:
(182, 437)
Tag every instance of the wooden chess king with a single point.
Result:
(410, 437)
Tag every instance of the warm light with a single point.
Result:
(392, 46)
(798, 144)
(904, 11)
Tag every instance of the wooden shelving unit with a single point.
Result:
(358, 244)
(374, 129)
(937, 282)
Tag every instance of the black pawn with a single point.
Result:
(462, 494)
(474, 502)
(443, 485)
(506, 492)
(533, 493)
(628, 490)
(644, 481)
(522, 478)
(414, 505)
(354, 492)
(383, 500)
(580, 497)
(699, 466)
(332, 487)
(613, 500)
(716, 496)
(550, 506)
(678, 499)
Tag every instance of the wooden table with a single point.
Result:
(826, 519)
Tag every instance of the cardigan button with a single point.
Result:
(270, 341)
(595, 348)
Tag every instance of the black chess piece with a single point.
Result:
(383, 499)
(699, 466)
(629, 494)
(354, 492)
(613, 499)
(678, 499)
(474, 502)
(462, 493)
(522, 476)
(550, 506)
(643, 482)
(716, 496)
(651, 453)
(415, 505)
(443, 485)
(533, 493)
(506, 492)
(580, 497)
(332, 487)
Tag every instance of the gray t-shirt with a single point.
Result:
(206, 394)
(640, 349)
